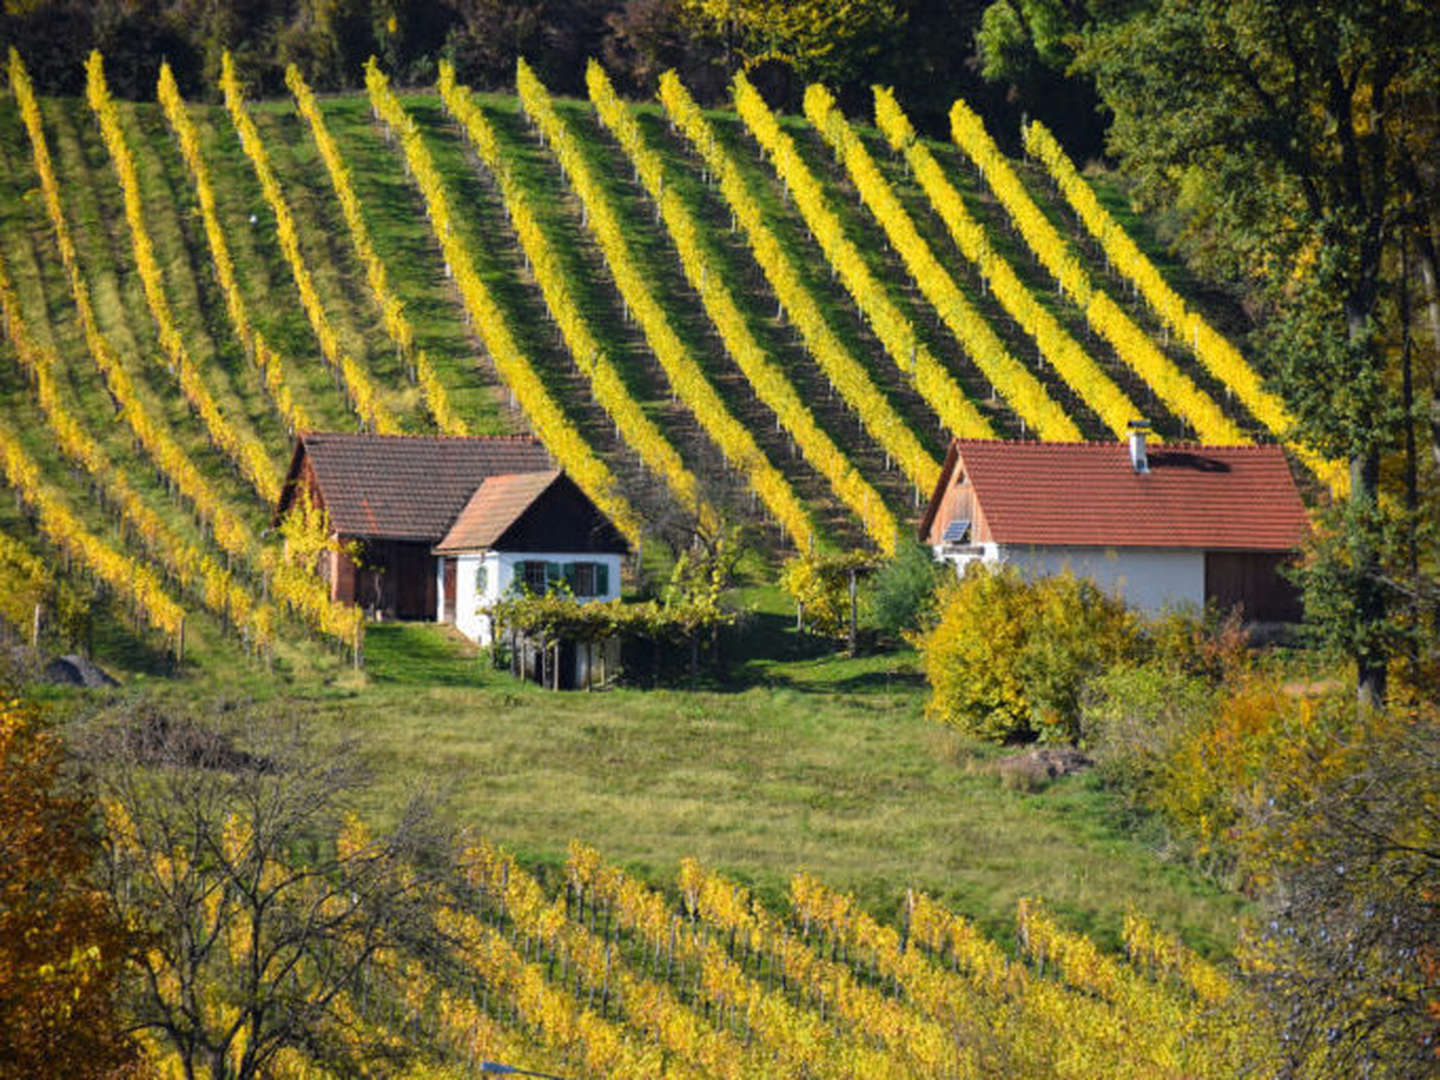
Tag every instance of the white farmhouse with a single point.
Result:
(1169, 526)
(534, 530)
(445, 525)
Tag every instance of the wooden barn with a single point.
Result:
(398, 496)
(1166, 526)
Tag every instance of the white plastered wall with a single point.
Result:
(500, 571)
(1150, 579)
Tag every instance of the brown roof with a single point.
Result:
(1211, 497)
(403, 487)
(544, 511)
(494, 507)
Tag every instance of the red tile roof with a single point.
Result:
(403, 487)
(494, 507)
(1211, 497)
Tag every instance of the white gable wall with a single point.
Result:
(1150, 579)
(501, 568)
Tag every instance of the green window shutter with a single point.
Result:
(553, 573)
(569, 570)
(602, 579)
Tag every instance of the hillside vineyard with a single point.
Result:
(707, 318)
(605, 976)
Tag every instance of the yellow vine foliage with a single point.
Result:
(1220, 357)
(392, 308)
(230, 533)
(640, 432)
(131, 580)
(845, 374)
(215, 586)
(686, 377)
(889, 323)
(1070, 360)
(362, 392)
(554, 428)
(1021, 390)
(1171, 385)
(300, 592)
(271, 365)
(244, 449)
(766, 377)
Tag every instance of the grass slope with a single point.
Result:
(811, 762)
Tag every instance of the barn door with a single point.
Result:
(450, 566)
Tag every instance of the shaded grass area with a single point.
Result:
(831, 768)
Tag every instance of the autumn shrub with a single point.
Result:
(61, 947)
(1215, 766)
(1134, 717)
(1009, 658)
(820, 586)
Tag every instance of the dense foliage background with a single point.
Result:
(926, 49)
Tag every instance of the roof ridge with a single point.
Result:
(1061, 444)
(416, 435)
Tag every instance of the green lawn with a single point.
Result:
(815, 762)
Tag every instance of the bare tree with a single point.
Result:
(1352, 926)
(268, 909)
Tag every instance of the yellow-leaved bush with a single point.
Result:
(1009, 658)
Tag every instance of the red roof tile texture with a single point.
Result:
(1213, 497)
(494, 507)
(404, 487)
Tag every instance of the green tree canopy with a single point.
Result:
(1290, 134)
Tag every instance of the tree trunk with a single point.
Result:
(1371, 670)
(1425, 253)
(854, 640)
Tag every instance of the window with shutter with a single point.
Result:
(534, 576)
(583, 582)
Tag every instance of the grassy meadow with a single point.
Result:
(807, 761)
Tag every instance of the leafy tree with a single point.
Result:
(1029, 46)
(820, 39)
(267, 909)
(1009, 658)
(1287, 131)
(824, 588)
(61, 949)
(902, 593)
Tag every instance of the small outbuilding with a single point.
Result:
(396, 497)
(530, 530)
(1168, 526)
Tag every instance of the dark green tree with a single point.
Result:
(1285, 129)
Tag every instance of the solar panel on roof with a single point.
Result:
(957, 531)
